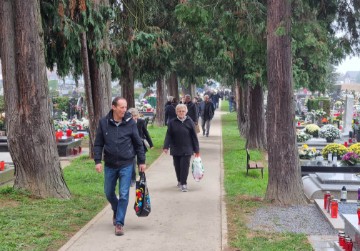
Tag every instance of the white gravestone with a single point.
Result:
(348, 115)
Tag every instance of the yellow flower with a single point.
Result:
(305, 146)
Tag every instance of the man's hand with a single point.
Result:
(197, 155)
(165, 151)
(142, 167)
(98, 168)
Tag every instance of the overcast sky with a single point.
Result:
(350, 64)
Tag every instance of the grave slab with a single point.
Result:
(315, 185)
(352, 229)
(336, 223)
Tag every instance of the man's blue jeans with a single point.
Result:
(112, 175)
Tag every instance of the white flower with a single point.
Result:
(302, 136)
(64, 115)
(329, 131)
(85, 123)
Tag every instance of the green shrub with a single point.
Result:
(314, 104)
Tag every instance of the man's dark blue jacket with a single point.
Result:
(119, 143)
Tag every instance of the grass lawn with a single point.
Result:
(28, 223)
(245, 193)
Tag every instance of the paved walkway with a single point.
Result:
(195, 220)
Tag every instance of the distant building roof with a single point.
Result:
(350, 87)
(352, 74)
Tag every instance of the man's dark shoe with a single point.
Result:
(114, 218)
(119, 230)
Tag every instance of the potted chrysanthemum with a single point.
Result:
(301, 136)
(329, 132)
(355, 148)
(334, 148)
(313, 130)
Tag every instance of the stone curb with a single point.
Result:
(224, 229)
(73, 239)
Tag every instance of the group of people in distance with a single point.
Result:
(196, 108)
(120, 139)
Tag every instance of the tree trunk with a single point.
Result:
(88, 93)
(160, 102)
(127, 74)
(284, 186)
(242, 110)
(186, 89)
(256, 137)
(127, 86)
(100, 81)
(30, 130)
(173, 85)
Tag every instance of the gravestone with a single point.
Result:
(315, 185)
(348, 114)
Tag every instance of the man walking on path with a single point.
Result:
(118, 136)
(178, 221)
(207, 114)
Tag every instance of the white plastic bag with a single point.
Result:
(197, 169)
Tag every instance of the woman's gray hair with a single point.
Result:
(170, 98)
(134, 111)
(179, 106)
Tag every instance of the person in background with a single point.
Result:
(144, 135)
(182, 140)
(196, 101)
(231, 102)
(207, 113)
(182, 100)
(215, 99)
(117, 138)
(170, 112)
(192, 109)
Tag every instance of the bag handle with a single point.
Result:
(142, 176)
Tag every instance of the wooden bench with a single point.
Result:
(253, 164)
(149, 117)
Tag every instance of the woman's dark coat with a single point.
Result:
(181, 137)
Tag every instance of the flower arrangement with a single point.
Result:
(355, 148)
(334, 148)
(85, 123)
(63, 125)
(64, 116)
(319, 113)
(338, 104)
(329, 132)
(60, 125)
(305, 152)
(301, 136)
(312, 129)
(350, 158)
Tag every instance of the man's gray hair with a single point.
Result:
(170, 98)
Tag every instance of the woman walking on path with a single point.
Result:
(144, 135)
(182, 140)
